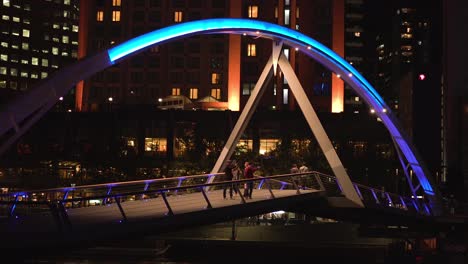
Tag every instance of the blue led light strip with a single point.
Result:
(239, 26)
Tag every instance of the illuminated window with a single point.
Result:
(116, 2)
(34, 61)
(115, 16)
(16, 19)
(23, 61)
(24, 74)
(34, 75)
(4, 44)
(65, 39)
(44, 75)
(4, 17)
(66, 2)
(244, 145)
(14, 72)
(2, 84)
(100, 16)
(286, 53)
(25, 46)
(3, 57)
(267, 145)
(297, 12)
(251, 50)
(247, 88)
(178, 16)
(6, 2)
(155, 144)
(3, 70)
(276, 12)
(193, 93)
(253, 11)
(75, 28)
(45, 63)
(175, 91)
(287, 16)
(406, 36)
(215, 78)
(357, 34)
(55, 51)
(285, 96)
(216, 93)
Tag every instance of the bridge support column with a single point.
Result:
(243, 119)
(319, 132)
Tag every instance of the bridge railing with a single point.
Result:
(59, 199)
(28, 202)
(371, 196)
(380, 198)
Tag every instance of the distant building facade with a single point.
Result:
(225, 67)
(37, 38)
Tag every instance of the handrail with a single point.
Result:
(322, 182)
(109, 184)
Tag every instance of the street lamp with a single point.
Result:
(110, 99)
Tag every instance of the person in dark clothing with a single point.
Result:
(249, 174)
(228, 177)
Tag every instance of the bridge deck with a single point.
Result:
(141, 210)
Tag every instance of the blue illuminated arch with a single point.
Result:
(295, 39)
(19, 115)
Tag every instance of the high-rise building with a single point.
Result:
(409, 74)
(37, 38)
(217, 68)
(355, 46)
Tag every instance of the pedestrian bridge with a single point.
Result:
(75, 215)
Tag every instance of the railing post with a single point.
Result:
(179, 184)
(269, 188)
(377, 201)
(63, 212)
(206, 198)
(56, 215)
(117, 200)
(240, 193)
(108, 192)
(295, 185)
(319, 181)
(403, 203)
(145, 189)
(163, 194)
(358, 191)
(13, 206)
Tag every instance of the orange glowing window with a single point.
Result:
(115, 16)
(253, 11)
(178, 16)
(100, 16)
(193, 93)
(215, 78)
(251, 50)
(175, 91)
(216, 93)
(116, 2)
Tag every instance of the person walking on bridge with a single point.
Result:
(249, 174)
(236, 175)
(228, 177)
